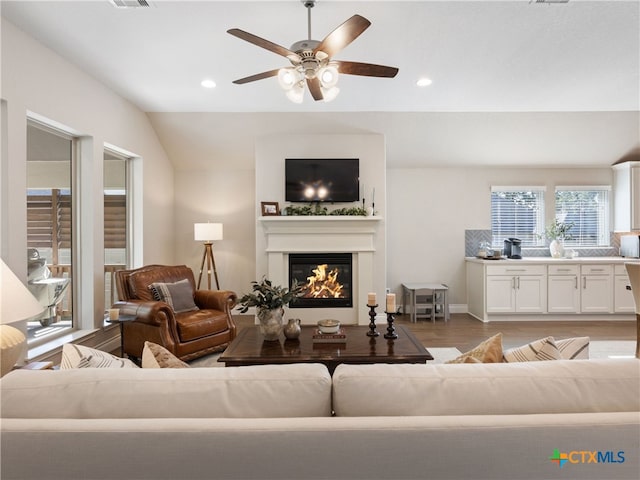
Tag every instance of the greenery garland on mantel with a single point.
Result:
(318, 210)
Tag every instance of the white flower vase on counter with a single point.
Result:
(556, 248)
(270, 323)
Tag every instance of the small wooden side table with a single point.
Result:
(121, 320)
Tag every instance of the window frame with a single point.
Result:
(603, 225)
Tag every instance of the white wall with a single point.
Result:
(429, 209)
(36, 80)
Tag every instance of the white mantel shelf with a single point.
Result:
(320, 233)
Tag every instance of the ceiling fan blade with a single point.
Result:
(257, 76)
(365, 69)
(266, 44)
(314, 88)
(343, 35)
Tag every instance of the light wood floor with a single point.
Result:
(464, 332)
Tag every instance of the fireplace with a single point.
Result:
(327, 278)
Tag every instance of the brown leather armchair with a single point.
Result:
(187, 335)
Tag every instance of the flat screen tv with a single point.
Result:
(322, 179)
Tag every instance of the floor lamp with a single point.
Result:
(207, 233)
(16, 304)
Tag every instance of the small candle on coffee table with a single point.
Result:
(391, 303)
(371, 298)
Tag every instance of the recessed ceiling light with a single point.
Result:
(208, 83)
(424, 82)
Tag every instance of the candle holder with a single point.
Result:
(372, 321)
(391, 332)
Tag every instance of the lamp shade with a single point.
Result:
(16, 302)
(207, 232)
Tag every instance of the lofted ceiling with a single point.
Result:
(481, 55)
(496, 57)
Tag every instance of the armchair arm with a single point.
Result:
(223, 300)
(149, 312)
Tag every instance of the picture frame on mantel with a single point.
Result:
(270, 209)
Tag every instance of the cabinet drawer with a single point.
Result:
(512, 269)
(597, 269)
(564, 269)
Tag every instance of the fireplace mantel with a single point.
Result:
(306, 234)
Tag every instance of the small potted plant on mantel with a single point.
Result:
(558, 232)
(269, 301)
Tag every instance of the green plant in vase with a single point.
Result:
(558, 232)
(269, 301)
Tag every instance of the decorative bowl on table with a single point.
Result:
(328, 326)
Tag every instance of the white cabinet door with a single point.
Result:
(531, 294)
(563, 294)
(500, 294)
(622, 298)
(597, 294)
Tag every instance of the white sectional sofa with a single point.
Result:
(464, 421)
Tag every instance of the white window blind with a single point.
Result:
(587, 208)
(517, 212)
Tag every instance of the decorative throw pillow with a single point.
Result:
(79, 356)
(178, 295)
(542, 349)
(576, 348)
(156, 356)
(489, 351)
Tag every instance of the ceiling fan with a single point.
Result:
(312, 60)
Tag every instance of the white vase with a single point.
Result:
(556, 248)
(270, 323)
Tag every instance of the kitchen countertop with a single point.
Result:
(539, 260)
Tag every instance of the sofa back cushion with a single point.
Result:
(561, 386)
(298, 390)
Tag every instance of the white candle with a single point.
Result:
(371, 298)
(114, 314)
(391, 303)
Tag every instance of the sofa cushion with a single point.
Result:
(179, 295)
(563, 386)
(542, 349)
(79, 356)
(201, 323)
(489, 351)
(576, 348)
(156, 356)
(297, 390)
(139, 281)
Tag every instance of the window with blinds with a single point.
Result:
(587, 209)
(115, 220)
(49, 220)
(517, 212)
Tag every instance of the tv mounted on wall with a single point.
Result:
(322, 179)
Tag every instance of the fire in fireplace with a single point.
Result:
(327, 278)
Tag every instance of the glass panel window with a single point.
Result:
(587, 210)
(517, 212)
(49, 230)
(115, 222)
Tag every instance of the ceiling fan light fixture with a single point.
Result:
(287, 78)
(329, 94)
(328, 76)
(296, 93)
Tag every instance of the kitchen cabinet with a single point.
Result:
(563, 295)
(586, 288)
(626, 196)
(516, 289)
(596, 295)
(623, 301)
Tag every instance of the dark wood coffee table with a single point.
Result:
(248, 348)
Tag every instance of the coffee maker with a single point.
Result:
(512, 248)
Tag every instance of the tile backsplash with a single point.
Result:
(472, 239)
